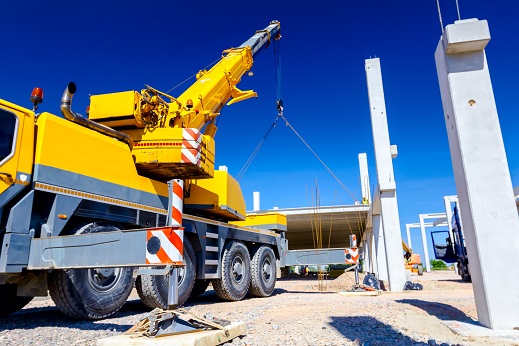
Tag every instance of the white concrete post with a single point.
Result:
(366, 251)
(380, 248)
(364, 177)
(256, 201)
(373, 253)
(424, 244)
(408, 231)
(483, 183)
(385, 176)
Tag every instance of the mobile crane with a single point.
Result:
(70, 189)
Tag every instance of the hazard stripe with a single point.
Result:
(177, 190)
(163, 256)
(351, 255)
(188, 158)
(177, 241)
(191, 145)
(177, 203)
(172, 251)
(152, 259)
(193, 152)
(177, 216)
(191, 134)
(171, 246)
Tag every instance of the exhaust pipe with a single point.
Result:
(66, 102)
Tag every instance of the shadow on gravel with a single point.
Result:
(209, 297)
(51, 317)
(455, 280)
(370, 331)
(30, 318)
(312, 292)
(442, 311)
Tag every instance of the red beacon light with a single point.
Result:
(36, 97)
(189, 104)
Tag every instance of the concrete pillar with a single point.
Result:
(424, 244)
(483, 183)
(408, 232)
(364, 177)
(373, 253)
(385, 176)
(366, 252)
(256, 201)
(380, 248)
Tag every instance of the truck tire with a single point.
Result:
(463, 271)
(91, 293)
(9, 301)
(199, 288)
(235, 280)
(263, 272)
(153, 289)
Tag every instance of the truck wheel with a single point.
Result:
(199, 288)
(463, 271)
(9, 301)
(153, 289)
(91, 293)
(263, 272)
(235, 280)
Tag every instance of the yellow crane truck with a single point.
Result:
(71, 187)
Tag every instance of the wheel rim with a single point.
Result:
(237, 269)
(266, 270)
(104, 279)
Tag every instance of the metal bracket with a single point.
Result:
(151, 271)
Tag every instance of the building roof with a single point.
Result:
(323, 227)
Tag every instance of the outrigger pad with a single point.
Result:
(170, 322)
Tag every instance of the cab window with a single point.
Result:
(7, 134)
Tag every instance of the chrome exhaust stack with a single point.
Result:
(66, 103)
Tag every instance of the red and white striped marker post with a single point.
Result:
(176, 201)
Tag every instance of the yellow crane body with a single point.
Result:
(219, 197)
(83, 201)
(91, 165)
(156, 126)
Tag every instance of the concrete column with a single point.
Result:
(408, 231)
(366, 252)
(364, 177)
(424, 244)
(385, 176)
(483, 183)
(380, 248)
(256, 201)
(373, 253)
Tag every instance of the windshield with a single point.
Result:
(7, 131)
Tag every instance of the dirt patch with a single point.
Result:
(296, 314)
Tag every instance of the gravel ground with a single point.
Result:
(296, 314)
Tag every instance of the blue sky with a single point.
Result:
(109, 46)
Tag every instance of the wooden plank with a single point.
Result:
(203, 338)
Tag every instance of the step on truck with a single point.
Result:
(79, 197)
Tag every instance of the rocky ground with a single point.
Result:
(296, 314)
